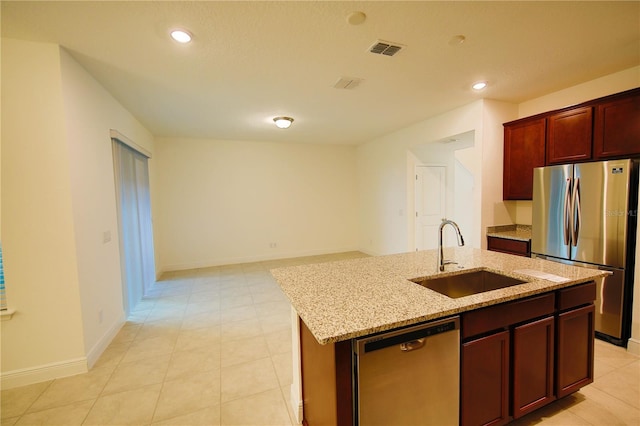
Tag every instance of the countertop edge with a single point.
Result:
(446, 313)
(508, 236)
(348, 299)
(510, 232)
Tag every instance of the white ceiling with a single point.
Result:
(253, 60)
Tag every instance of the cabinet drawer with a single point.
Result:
(576, 296)
(505, 245)
(506, 314)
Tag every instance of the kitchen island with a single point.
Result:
(340, 301)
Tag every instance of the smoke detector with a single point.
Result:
(387, 48)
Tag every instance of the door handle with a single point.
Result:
(576, 213)
(566, 213)
(412, 345)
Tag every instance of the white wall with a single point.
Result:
(58, 199)
(39, 246)
(385, 175)
(607, 85)
(225, 202)
(459, 183)
(90, 112)
(463, 190)
(494, 210)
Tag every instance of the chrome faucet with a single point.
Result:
(441, 261)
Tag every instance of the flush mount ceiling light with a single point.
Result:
(479, 85)
(283, 122)
(181, 36)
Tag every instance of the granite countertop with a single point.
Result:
(511, 232)
(352, 298)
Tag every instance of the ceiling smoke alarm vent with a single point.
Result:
(386, 48)
(347, 83)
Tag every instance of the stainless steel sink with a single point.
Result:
(468, 283)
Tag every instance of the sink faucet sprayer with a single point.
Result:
(441, 261)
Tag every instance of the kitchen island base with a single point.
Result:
(327, 397)
(515, 358)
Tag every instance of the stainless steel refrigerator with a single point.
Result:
(585, 214)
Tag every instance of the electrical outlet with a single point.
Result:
(100, 316)
(273, 245)
(106, 237)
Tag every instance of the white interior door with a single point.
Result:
(430, 204)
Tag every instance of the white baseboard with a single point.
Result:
(102, 344)
(296, 404)
(369, 252)
(56, 370)
(42, 373)
(633, 346)
(249, 259)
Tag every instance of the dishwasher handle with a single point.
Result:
(408, 338)
(412, 345)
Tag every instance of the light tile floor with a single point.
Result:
(213, 347)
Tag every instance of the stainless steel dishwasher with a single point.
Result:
(409, 376)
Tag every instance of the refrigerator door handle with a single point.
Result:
(576, 212)
(566, 212)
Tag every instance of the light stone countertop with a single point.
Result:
(511, 232)
(352, 298)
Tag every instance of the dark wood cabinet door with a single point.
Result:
(569, 136)
(617, 127)
(506, 245)
(574, 353)
(533, 359)
(524, 147)
(485, 381)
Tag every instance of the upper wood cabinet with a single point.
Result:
(523, 151)
(617, 127)
(569, 136)
(599, 129)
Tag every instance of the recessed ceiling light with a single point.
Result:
(479, 85)
(356, 18)
(283, 122)
(181, 36)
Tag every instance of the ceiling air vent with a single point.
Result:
(347, 83)
(387, 48)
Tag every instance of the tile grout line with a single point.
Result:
(173, 350)
(93, 404)
(26, 410)
(220, 362)
(253, 279)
